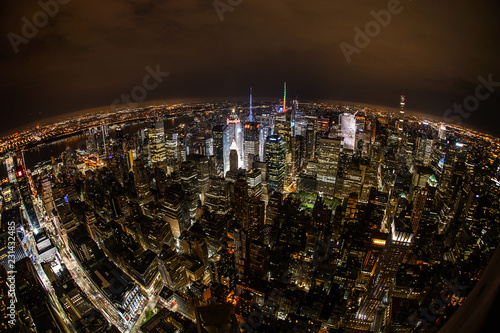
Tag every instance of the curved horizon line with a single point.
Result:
(121, 107)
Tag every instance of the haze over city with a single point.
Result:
(91, 52)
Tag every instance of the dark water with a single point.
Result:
(46, 152)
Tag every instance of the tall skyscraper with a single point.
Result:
(241, 250)
(190, 186)
(259, 257)
(240, 197)
(254, 181)
(424, 149)
(203, 169)
(328, 153)
(273, 207)
(143, 150)
(171, 150)
(220, 135)
(284, 97)
(251, 144)
(175, 212)
(397, 245)
(276, 159)
(266, 128)
(157, 144)
(253, 219)
(217, 197)
(236, 135)
(293, 118)
(141, 179)
(118, 146)
(402, 103)
(348, 128)
(442, 132)
(418, 208)
(233, 158)
(11, 169)
(456, 153)
(96, 140)
(283, 129)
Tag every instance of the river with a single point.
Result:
(54, 149)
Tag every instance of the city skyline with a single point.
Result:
(236, 166)
(169, 212)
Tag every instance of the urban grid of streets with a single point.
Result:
(83, 280)
(79, 276)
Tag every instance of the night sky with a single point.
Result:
(90, 52)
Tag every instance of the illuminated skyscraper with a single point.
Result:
(175, 212)
(251, 144)
(190, 186)
(276, 159)
(217, 198)
(424, 149)
(96, 140)
(266, 128)
(11, 169)
(171, 268)
(284, 97)
(402, 104)
(396, 247)
(442, 132)
(283, 129)
(143, 149)
(418, 208)
(293, 118)
(203, 170)
(236, 135)
(456, 153)
(254, 181)
(328, 152)
(348, 128)
(171, 150)
(157, 144)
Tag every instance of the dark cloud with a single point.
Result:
(92, 51)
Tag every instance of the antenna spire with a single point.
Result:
(284, 98)
(250, 117)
